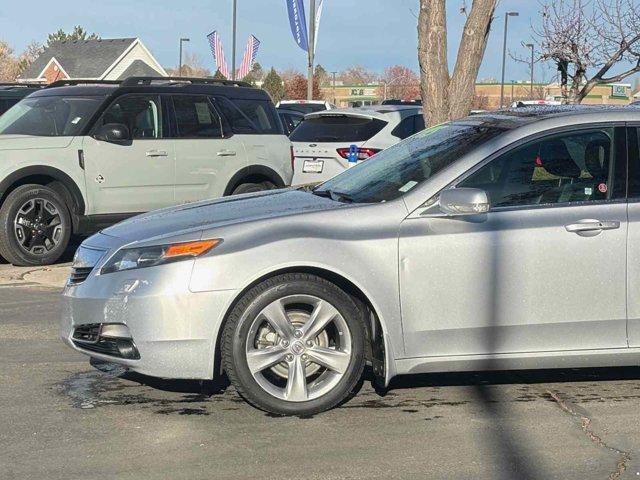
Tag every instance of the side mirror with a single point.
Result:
(463, 201)
(112, 133)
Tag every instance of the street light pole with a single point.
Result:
(504, 52)
(312, 47)
(334, 87)
(530, 45)
(182, 40)
(233, 41)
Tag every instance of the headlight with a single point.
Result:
(130, 258)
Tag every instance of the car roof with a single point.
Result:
(515, 117)
(162, 86)
(302, 102)
(374, 111)
(290, 112)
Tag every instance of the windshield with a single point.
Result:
(304, 107)
(55, 116)
(398, 169)
(337, 128)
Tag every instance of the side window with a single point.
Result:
(634, 162)
(195, 117)
(238, 121)
(140, 113)
(247, 116)
(568, 167)
(418, 123)
(404, 129)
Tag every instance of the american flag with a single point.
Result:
(249, 58)
(218, 53)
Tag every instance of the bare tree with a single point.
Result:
(357, 75)
(450, 96)
(191, 67)
(400, 82)
(9, 64)
(586, 39)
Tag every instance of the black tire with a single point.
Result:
(253, 187)
(10, 247)
(239, 323)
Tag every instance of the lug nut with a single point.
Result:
(289, 358)
(304, 357)
(285, 343)
(309, 343)
(297, 333)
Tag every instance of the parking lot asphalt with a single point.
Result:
(61, 418)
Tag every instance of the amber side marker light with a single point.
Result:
(191, 248)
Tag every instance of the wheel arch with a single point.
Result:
(378, 348)
(46, 175)
(254, 174)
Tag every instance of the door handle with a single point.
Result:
(156, 153)
(226, 153)
(590, 228)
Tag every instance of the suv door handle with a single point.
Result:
(156, 153)
(226, 153)
(590, 228)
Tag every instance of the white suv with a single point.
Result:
(326, 143)
(78, 156)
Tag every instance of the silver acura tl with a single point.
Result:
(502, 241)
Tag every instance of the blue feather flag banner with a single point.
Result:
(298, 22)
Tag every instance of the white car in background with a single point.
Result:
(305, 106)
(322, 141)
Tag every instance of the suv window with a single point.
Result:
(249, 116)
(561, 168)
(51, 116)
(195, 117)
(337, 128)
(634, 162)
(140, 113)
(408, 126)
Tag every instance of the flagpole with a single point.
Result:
(233, 42)
(312, 47)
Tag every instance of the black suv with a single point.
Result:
(12, 93)
(80, 155)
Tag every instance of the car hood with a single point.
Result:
(29, 142)
(195, 217)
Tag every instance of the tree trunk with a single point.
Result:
(432, 55)
(470, 54)
(446, 98)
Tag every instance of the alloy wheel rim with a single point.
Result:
(38, 226)
(312, 341)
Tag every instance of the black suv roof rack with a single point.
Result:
(68, 83)
(132, 81)
(18, 84)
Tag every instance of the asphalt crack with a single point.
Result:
(623, 456)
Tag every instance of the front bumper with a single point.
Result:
(173, 329)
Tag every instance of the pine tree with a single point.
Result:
(273, 85)
(78, 33)
(219, 76)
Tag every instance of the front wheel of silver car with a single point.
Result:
(294, 345)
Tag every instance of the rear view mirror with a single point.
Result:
(463, 201)
(112, 133)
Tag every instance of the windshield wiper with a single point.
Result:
(334, 195)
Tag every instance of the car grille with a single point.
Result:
(87, 337)
(79, 275)
(87, 333)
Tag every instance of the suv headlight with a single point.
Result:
(130, 258)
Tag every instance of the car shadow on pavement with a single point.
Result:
(514, 377)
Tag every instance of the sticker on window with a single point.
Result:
(204, 115)
(588, 191)
(407, 186)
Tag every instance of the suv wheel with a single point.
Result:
(294, 345)
(35, 226)
(252, 187)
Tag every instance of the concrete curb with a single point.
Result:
(49, 276)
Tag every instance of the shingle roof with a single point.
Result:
(138, 68)
(81, 58)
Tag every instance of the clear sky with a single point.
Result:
(372, 33)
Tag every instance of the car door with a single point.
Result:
(137, 174)
(207, 156)
(543, 271)
(633, 244)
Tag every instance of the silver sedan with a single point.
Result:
(496, 241)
